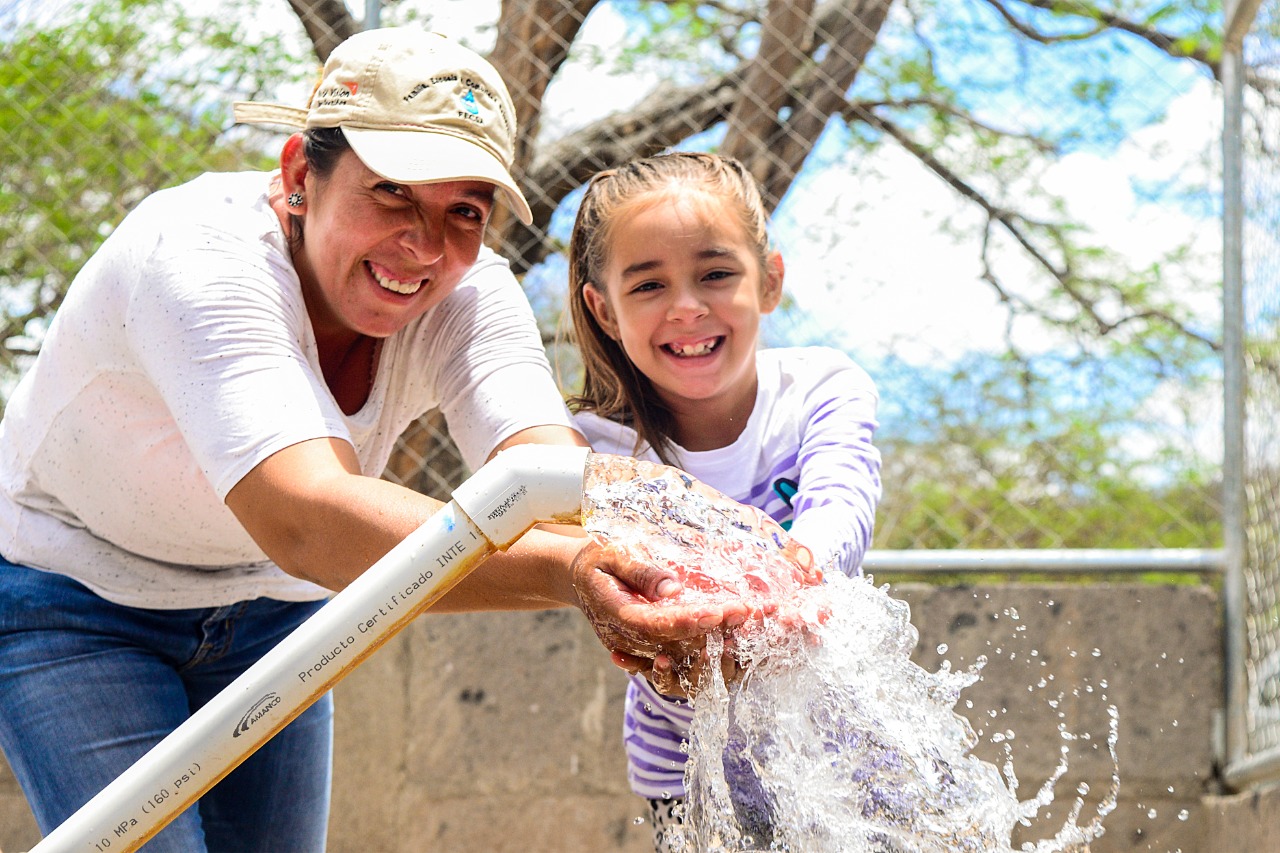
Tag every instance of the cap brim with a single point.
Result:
(423, 157)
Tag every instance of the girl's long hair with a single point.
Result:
(612, 387)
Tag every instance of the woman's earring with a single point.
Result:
(295, 199)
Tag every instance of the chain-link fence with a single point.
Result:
(1007, 213)
(1044, 361)
(974, 198)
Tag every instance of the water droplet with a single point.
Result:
(637, 821)
(1097, 653)
(942, 648)
(1151, 813)
(1184, 814)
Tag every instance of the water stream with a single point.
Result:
(832, 739)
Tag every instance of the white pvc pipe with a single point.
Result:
(521, 487)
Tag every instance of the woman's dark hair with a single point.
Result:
(612, 387)
(323, 147)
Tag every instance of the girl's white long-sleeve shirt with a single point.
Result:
(805, 458)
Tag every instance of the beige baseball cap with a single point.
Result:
(416, 107)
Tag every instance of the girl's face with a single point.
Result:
(376, 254)
(683, 292)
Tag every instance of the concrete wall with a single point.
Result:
(499, 732)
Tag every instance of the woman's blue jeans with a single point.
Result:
(87, 687)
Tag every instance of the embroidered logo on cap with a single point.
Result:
(334, 96)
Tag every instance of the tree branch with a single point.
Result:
(845, 33)
(327, 23)
(534, 37)
(1167, 43)
(785, 30)
(952, 110)
(664, 118)
(1006, 218)
(1012, 224)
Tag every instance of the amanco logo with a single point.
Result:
(259, 710)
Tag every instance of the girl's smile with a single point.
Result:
(695, 349)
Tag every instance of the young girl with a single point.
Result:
(670, 271)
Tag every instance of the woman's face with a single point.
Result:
(376, 255)
(683, 292)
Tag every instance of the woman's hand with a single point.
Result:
(673, 675)
(628, 605)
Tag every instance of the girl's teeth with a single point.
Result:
(694, 349)
(403, 287)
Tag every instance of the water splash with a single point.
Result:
(833, 739)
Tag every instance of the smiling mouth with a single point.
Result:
(692, 350)
(405, 288)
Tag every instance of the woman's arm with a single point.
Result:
(318, 518)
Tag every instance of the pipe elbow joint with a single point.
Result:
(523, 486)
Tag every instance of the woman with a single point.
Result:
(191, 466)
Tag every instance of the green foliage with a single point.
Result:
(1003, 511)
(102, 109)
(1004, 453)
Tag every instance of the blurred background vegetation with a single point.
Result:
(1006, 210)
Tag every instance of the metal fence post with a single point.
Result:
(1233, 497)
